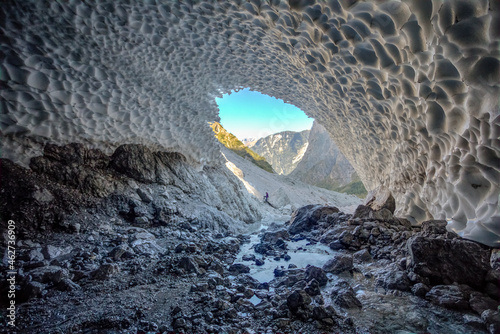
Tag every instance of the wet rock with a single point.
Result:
(35, 255)
(105, 271)
(313, 272)
(287, 257)
(313, 288)
(362, 256)
(121, 251)
(239, 268)
(480, 303)
(307, 217)
(344, 296)
(338, 264)
(273, 237)
(51, 252)
(492, 321)
(248, 257)
(397, 280)
(444, 261)
(145, 243)
(420, 290)
(263, 248)
(48, 274)
(448, 296)
(336, 245)
(68, 285)
(349, 240)
(321, 312)
(283, 322)
(179, 323)
(474, 322)
(279, 272)
(298, 299)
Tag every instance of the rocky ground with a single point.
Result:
(91, 262)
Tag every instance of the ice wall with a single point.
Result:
(408, 89)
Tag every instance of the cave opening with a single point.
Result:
(251, 115)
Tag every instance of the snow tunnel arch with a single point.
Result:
(408, 90)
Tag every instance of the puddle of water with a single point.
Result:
(255, 300)
(300, 252)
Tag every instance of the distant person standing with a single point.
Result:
(266, 197)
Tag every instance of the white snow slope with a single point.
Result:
(285, 194)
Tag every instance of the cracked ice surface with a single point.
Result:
(409, 90)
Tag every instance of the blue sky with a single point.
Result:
(250, 114)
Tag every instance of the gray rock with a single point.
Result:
(105, 271)
(298, 299)
(121, 251)
(449, 296)
(145, 197)
(306, 218)
(239, 268)
(51, 252)
(474, 321)
(420, 290)
(32, 289)
(48, 274)
(248, 257)
(189, 265)
(362, 256)
(492, 321)
(313, 288)
(480, 303)
(42, 196)
(444, 261)
(381, 198)
(259, 262)
(432, 227)
(145, 243)
(338, 264)
(397, 280)
(316, 273)
(344, 296)
(272, 237)
(35, 255)
(495, 259)
(68, 285)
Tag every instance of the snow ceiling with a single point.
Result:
(408, 89)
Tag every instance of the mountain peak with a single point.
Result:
(234, 144)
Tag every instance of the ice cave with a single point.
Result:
(408, 90)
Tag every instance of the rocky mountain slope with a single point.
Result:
(285, 192)
(282, 150)
(323, 164)
(234, 144)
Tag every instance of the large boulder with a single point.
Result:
(307, 217)
(380, 198)
(313, 272)
(135, 161)
(339, 263)
(445, 261)
(449, 296)
(298, 299)
(344, 296)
